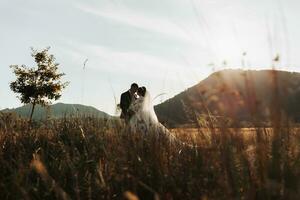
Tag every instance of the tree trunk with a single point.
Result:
(32, 110)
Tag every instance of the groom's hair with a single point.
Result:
(134, 85)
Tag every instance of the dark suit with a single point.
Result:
(126, 100)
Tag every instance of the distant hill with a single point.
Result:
(58, 110)
(235, 94)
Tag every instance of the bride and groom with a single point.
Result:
(138, 111)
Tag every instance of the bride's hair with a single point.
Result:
(142, 91)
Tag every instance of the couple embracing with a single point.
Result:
(138, 111)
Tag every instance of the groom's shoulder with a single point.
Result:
(125, 93)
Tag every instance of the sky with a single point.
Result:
(165, 45)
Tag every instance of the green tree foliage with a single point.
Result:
(41, 84)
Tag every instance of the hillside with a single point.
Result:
(237, 95)
(58, 110)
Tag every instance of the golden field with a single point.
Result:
(88, 158)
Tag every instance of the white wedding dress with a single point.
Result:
(145, 120)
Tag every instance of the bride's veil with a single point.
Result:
(149, 108)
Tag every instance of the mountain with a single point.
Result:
(235, 95)
(58, 110)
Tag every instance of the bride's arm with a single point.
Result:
(135, 106)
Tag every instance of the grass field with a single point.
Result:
(96, 159)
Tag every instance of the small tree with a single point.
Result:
(38, 85)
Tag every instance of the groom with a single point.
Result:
(126, 99)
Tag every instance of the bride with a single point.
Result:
(144, 119)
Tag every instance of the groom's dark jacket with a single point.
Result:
(124, 104)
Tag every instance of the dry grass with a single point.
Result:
(95, 159)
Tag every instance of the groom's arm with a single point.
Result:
(123, 102)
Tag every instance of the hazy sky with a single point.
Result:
(166, 45)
